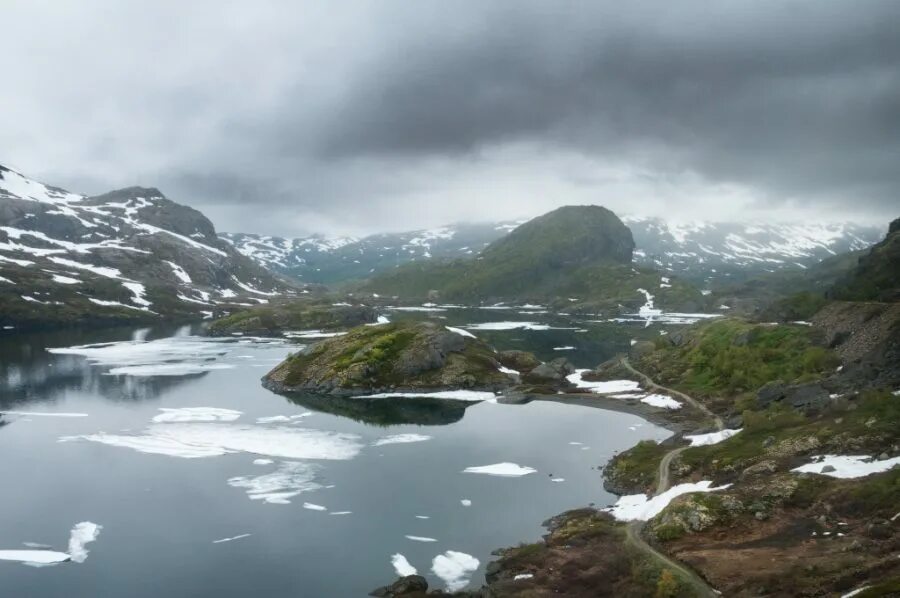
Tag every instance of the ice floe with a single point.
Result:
(420, 539)
(506, 469)
(509, 325)
(465, 502)
(401, 439)
(454, 568)
(402, 566)
(43, 414)
(198, 440)
(196, 414)
(81, 535)
(566, 348)
(459, 395)
(275, 419)
(314, 507)
(290, 479)
(847, 466)
(231, 539)
(639, 507)
(262, 461)
(711, 438)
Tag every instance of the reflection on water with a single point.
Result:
(272, 470)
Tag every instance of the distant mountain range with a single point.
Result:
(131, 254)
(704, 252)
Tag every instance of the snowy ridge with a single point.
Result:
(127, 250)
(699, 249)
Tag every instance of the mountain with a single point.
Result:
(321, 260)
(876, 276)
(579, 256)
(131, 254)
(704, 252)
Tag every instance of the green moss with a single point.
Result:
(636, 469)
(732, 357)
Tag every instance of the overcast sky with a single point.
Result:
(344, 117)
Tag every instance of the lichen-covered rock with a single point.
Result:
(396, 357)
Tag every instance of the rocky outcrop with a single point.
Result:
(875, 277)
(398, 357)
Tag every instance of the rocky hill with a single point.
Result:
(876, 276)
(131, 254)
(701, 251)
(578, 256)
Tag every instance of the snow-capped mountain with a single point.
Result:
(126, 254)
(321, 260)
(701, 251)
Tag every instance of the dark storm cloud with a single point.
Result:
(288, 117)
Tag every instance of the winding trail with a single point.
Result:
(652, 385)
(633, 531)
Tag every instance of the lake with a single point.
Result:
(251, 493)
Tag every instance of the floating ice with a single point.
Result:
(197, 440)
(282, 418)
(639, 507)
(847, 466)
(81, 535)
(402, 566)
(508, 325)
(231, 539)
(290, 479)
(558, 480)
(420, 539)
(566, 348)
(505, 469)
(262, 461)
(454, 568)
(196, 414)
(401, 439)
(422, 517)
(43, 414)
(341, 513)
(459, 395)
(465, 502)
(711, 438)
(314, 507)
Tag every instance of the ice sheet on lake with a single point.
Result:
(454, 568)
(274, 419)
(173, 356)
(198, 440)
(43, 414)
(506, 469)
(196, 414)
(401, 439)
(847, 466)
(402, 566)
(262, 461)
(459, 395)
(290, 479)
(638, 507)
(35, 557)
(711, 438)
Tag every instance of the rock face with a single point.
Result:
(127, 254)
(877, 274)
(276, 318)
(406, 356)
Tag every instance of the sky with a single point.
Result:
(293, 118)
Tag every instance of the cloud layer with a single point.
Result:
(289, 118)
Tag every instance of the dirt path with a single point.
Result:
(652, 385)
(633, 531)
